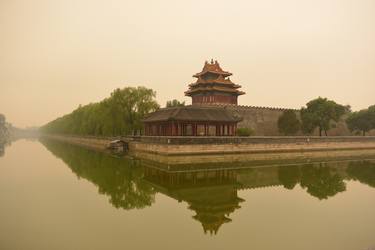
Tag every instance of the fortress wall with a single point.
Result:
(261, 119)
(264, 121)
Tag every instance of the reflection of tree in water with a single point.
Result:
(289, 176)
(362, 171)
(2, 149)
(115, 177)
(3, 145)
(320, 180)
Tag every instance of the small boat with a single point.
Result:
(118, 146)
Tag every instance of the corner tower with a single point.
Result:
(213, 86)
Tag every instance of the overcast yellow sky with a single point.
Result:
(55, 55)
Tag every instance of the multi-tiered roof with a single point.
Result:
(213, 81)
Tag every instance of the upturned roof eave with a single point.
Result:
(192, 120)
(224, 73)
(225, 84)
(190, 92)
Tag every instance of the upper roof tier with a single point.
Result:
(213, 68)
(219, 80)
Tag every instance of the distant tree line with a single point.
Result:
(321, 115)
(5, 129)
(123, 111)
(120, 114)
(174, 103)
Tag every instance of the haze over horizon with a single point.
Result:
(56, 55)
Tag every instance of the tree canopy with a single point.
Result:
(321, 113)
(288, 123)
(2, 119)
(120, 114)
(363, 121)
(175, 103)
(371, 109)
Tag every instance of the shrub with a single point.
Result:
(244, 131)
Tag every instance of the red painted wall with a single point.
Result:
(222, 99)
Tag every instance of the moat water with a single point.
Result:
(59, 196)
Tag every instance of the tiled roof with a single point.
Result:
(214, 88)
(213, 68)
(207, 83)
(193, 113)
(220, 80)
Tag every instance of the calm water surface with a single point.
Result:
(58, 196)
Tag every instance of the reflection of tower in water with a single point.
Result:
(211, 194)
(213, 206)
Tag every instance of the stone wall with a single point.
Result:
(263, 120)
(176, 141)
(258, 154)
(188, 150)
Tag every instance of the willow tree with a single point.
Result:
(132, 104)
(120, 114)
(2, 120)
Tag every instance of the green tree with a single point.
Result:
(4, 132)
(360, 121)
(2, 120)
(134, 104)
(288, 123)
(175, 103)
(371, 109)
(120, 114)
(320, 113)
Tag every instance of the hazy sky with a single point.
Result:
(55, 55)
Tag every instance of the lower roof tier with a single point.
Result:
(210, 89)
(193, 113)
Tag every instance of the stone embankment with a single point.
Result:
(97, 143)
(235, 145)
(251, 146)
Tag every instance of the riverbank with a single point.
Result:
(197, 150)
